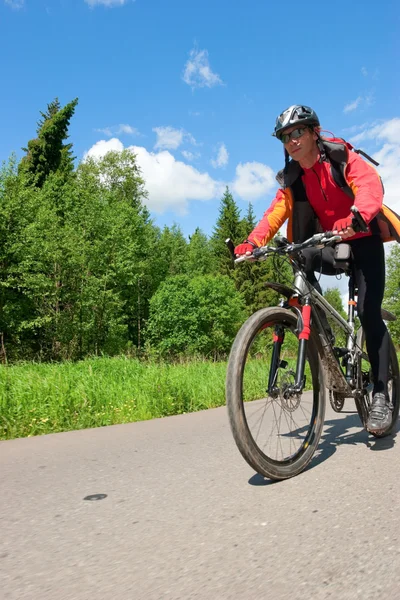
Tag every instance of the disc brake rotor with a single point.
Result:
(290, 402)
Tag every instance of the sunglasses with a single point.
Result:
(293, 135)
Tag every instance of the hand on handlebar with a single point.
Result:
(343, 227)
(245, 249)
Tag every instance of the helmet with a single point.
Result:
(295, 115)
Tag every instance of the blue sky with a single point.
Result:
(195, 87)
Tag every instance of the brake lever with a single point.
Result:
(257, 253)
(358, 223)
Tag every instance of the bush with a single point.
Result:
(194, 316)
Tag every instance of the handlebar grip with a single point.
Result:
(231, 247)
(358, 222)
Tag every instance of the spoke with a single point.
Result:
(291, 437)
(279, 436)
(302, 410)
(279, 427)
(296, 426)
(289, 433)
(262, 417)
(267, 401)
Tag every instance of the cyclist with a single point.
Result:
(321, 180)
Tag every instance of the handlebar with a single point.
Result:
(283, 246)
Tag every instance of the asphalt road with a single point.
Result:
(184, 517)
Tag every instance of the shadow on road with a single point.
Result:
(336, 433)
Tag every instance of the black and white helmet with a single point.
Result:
(295, 115)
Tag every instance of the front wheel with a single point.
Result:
(365, 383)
(276, 432)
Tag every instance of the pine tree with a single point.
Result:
(228, 226)
(170, 251)
(248, 222)
(200, 259)
(48, 152)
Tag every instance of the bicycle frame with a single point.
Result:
(304, 299)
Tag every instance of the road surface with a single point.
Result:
(180, 515)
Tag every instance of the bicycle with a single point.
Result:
(282, 361)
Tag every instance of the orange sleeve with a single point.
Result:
(272, 220)
(366, 185)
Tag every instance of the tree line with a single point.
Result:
(84, 270)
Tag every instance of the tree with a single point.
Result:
(78, 282)
(200, 259)
(228, 226)
(248, 222)
(170, 252)
(194, 316)
(47, 153)
(332, 295)
(392, 291)
(17, 213)
(120, 241)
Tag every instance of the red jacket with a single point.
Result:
(329, 201)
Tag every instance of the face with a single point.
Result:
(301, 147)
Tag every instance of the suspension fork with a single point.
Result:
(278, 338)
(304, 336)
(279, 335)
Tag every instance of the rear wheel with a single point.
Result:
(366, 383)
(276, 431)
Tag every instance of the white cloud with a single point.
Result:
(16, 4)
(389, 169)
(198, 73)
(190, 156)
(170, 183)
(253, 180)
(354, 128)
(106, 130)
(385, 130)
(101, 148)
(364, 71)
(170, 138)
(222, 157)
(108, 3)
(127, 129)
(118, 130)
(385, 135)
(353, 105)
(366, 100)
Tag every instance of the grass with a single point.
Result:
(46, 398)
(37, 399)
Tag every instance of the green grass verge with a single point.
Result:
(46, 398)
